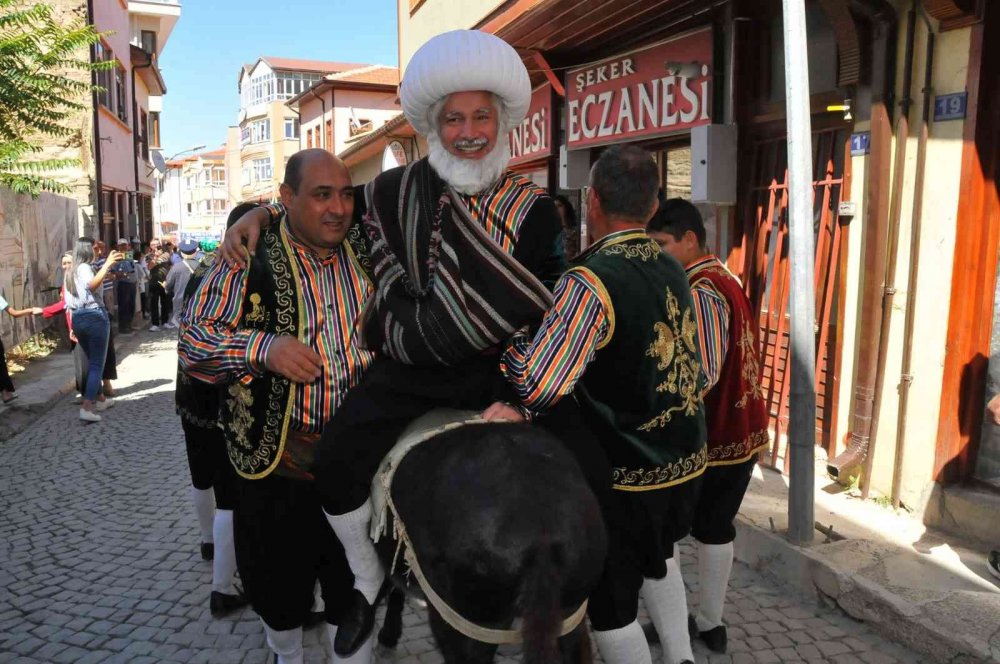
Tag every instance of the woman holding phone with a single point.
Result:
(91, 324)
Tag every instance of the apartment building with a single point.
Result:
(119, 130)
(268, 129)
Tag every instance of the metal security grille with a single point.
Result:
(766, 273)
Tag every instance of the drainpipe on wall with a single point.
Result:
(849, 462)
(135, 141)
(906, 377)
(98, 203)
(895, 218)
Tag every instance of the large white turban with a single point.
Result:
(464, 60)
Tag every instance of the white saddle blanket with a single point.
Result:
(423, 428)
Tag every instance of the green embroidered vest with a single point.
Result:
(254, 412)
(642, 390)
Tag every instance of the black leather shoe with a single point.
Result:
(207, 550)
(715, 638)
(220, 603)
(355, 624)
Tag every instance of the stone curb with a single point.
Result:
(808, 572)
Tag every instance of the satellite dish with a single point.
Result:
(158, 162)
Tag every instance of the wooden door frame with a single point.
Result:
(974, 266)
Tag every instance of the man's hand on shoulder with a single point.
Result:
(246, 231)
(294, 360)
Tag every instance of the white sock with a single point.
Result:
(224, 562)
(352, 531)
(286, 644)
(204, 509)
(626, 645)
(666, 601)
(715, 564)
(363, 655)
(318, 604)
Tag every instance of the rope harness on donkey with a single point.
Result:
(384, 508)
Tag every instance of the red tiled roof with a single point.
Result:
(374, 74)
(309, 65)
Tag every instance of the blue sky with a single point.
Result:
(213, 38)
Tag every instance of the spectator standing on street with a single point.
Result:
(7, 392)
(126, 281)
(107, 293)
(178, 277)
(266, 332)
(142, 281)
(90, 321)
(571, 227)
(735, 404)
(159, 302)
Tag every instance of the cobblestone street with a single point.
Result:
(99, 555)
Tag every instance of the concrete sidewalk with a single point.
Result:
(46, 380)
(921, 588)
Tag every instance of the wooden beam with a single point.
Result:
(549, 74)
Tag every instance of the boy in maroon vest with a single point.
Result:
(735, 404)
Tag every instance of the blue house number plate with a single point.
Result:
(860, 144)
(950, 107)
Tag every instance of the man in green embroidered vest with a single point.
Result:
(279, 336)
(622, 331)
(735, 404)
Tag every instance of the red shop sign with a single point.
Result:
(532, 139)
(653, 91)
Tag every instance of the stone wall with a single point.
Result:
(33, 236)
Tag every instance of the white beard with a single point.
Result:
(469, 176)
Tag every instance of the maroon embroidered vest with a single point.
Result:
(736, 406)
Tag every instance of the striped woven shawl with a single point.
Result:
(445, 290)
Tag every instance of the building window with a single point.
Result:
(219, 176)
(291, 128)
(190, 208)
(147, 41)
(261, 169)
(270, 86)
(144, 135)
(245, 135)
(260, 131)
(121, 96)
(105, 77)
(154, 129)
(309, 138)
(329, 135)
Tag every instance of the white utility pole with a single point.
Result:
(802, 338)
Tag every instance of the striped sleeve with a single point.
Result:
(712, 312)
(211, 348)
(545, 369)
(274, 211)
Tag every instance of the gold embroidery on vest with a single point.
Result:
(674, 348)
(257, 315)
(645, 251)
(240, 403)
(637, 479)
(741, 450)
(750, 371)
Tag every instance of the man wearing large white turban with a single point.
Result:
(458, 248)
